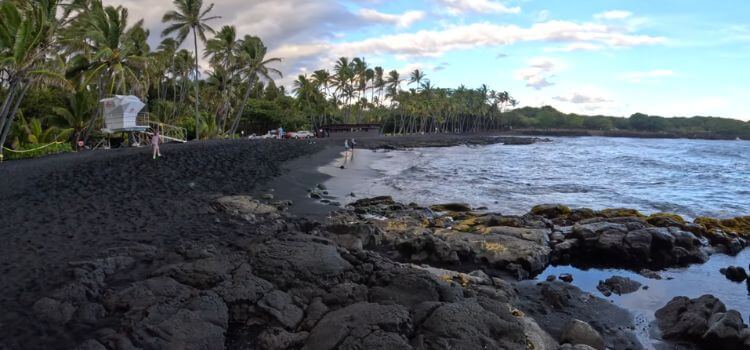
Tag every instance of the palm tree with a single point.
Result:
(393, 82)
(379, 83)
(416, 77)
(75, 113)
(27, 32)
(344, 75)
(222, 47)
(222, 50)
(190, 16)
(251, 58)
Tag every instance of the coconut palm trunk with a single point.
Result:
(197, 88)
(11, 116)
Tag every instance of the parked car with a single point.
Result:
(303, 134)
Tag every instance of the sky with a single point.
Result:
(609, 57)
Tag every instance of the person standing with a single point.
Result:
(346, 152)
(155, 140)
(281, 133)
(353, 145)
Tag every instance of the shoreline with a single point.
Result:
(616, 133)
(89, 225)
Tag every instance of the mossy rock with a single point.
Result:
(451, 207)
(581, 214)
(467, 225)
(620, 213)
(665, 220)
(494, 247)
(738, 226)
(551, 211)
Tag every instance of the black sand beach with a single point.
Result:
(114, 250)
(71, 207)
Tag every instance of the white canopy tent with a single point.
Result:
(121, 114)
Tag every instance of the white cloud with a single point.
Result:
(403, 20)
(637, 77)
(432, 43)
(613, 15)
(586, 96)
(576, 47)
(539, 71)
(457, 7)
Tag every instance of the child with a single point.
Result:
(155, 140)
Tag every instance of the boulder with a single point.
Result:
(566, 277)
(406, 288)
(202, 274)
(243, 206)
(166, 314)
(362, 325)
(280, 305)
(685, 318)
(649, 274)
(551, 211)
(734, 273)
(618, 285)
(471, 324)
(619, 213)
(53, 311)
(451, 207)
(575, 347)
(579, 332)
(297, 259)
(280, 339)
(703, 321)
(725, 328)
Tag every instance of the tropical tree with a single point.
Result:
(253, 65)
(190, 16)
(76, 113)
(416, 77)
(27, 31)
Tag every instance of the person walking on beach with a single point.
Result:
(353, 144)
(155, 140)
(346, 152)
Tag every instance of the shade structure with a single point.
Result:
(121, 114)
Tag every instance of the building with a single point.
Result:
(350, 130)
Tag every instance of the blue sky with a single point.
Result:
(614, 57)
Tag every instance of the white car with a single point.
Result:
(303, 135)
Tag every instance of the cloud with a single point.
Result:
(501, 55)
(403, 20)
(433, 43)
(576, 47)
(637, 77)
(539, 71)
(458, 7)
(582, 98)
(441, 66)
(613, 15)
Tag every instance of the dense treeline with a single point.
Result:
(58, 59)
(550, 118)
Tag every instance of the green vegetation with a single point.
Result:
(58, 59)
(550, 118)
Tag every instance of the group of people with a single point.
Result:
(349, 145)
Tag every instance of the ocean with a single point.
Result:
(688, 177)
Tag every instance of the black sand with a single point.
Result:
(69, 207)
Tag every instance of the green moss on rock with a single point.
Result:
(739, 226)
(665, 219)
(551, 211)
(620, 213)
